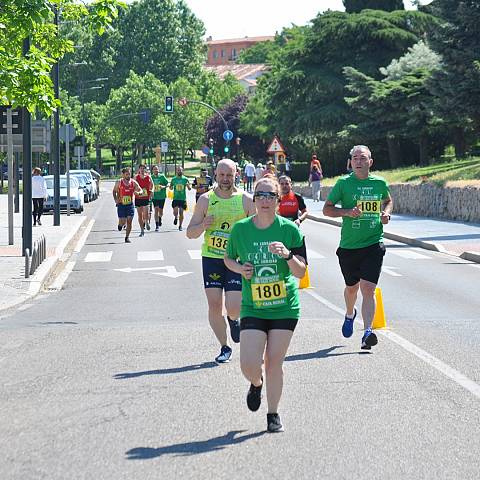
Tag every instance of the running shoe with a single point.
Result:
(347, 328)
(119, 227)
(142, 233)
(225, 354)
(39, 222)
(175, 221)
(254, 397)
(160, 222)
(274, 424)
(148, 225)
(180, 228)
(369, 339)
(127, 240)
(234, 329)
(156, 229)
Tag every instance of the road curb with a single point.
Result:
(435, 247)
(38, 279)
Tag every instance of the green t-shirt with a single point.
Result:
(179, 185)
(368, 195)
(158, 181)
(272, 292)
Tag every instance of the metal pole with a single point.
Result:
(67, 164)
(17, 182)
(56, 141)
(83, 133)
(10, 175)
(27, 172)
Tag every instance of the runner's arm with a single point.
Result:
(138, 188)
(245, 269)
(116, 193)
(330, 210)
(197, 223)
(248, 205)
(387, 207)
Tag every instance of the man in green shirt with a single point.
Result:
(179, 185)
(160, 184)
(366, 206)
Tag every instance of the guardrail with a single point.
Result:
(39, 253)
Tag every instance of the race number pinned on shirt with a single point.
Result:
(268, 292)
(144, 192)
(158, 187)
(126, 200)
(179, 187)
(217, 242)
(369, 206)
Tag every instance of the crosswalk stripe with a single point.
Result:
(98, 257)
(150, 256)
(409, 254)
(195, 254)
(312, 254)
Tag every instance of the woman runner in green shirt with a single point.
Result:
(269, 252)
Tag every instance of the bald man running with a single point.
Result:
(215, 214)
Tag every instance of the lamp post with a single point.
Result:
(81, 90)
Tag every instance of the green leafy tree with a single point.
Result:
(356, 6)
(25, 79)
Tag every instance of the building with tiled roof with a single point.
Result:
(225, 52)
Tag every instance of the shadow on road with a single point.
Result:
(325, 353)
(192, 448)
(166, 371)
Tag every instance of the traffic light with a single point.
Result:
(169, 104)
(211, 151)
(226, 149)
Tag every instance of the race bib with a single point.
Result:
(370, 206)
(158, 187)
(268, 292)
(217, 242)
(126, 200)
(179, 187)
(144, 192)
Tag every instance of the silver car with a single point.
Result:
(76, 194)
(89, 175)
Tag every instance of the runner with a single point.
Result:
(179, 184)
(160, 184)
(123, 192)
(366, 206)
(214, 215)
(269, 252)
(142, 199)
(291, 203)
(202, 184)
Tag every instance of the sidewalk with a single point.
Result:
(456, 238)
(14, 287)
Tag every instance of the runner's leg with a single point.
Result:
(129, 227)
(350, 295)
(215, 314)
(368, 303)
(252, 346)
(277, 346)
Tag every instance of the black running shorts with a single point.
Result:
(361, 263)
(180, 204)
(265, 325)
(217, 275)
(141, 202)
(159, 203)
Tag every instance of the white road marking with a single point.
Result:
(195, 254)
(62, 278)
(429, 359)
(98, 257)
(143, 269)
(151, 256)
(313, 255)
(409, 254)
(83, 238)
(24, 307)
(169, 271)
(390, 271)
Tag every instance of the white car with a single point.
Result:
(76, 194)
(89, 175)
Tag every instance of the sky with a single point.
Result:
(259, 17)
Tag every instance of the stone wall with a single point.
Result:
(429, 200)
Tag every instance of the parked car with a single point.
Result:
(76, 194)
(89, 175)
(85, 183)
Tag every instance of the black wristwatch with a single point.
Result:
(290, 256)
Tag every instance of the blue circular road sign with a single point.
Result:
(227, 135)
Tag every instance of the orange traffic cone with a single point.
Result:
(379, 320)
(305, 281)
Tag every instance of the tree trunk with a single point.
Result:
(459, 142)
(119, 159)
(394, 152)
(139, 153)
(423, 149)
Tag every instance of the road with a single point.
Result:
(112, 376)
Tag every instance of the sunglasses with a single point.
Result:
(266, 195)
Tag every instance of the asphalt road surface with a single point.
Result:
(111, 375)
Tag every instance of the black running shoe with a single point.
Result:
(225, 354)
(148, 225)
(175, 221)
(127, 240)
(254, 397)
(160, 223)
(234, 330)
(119, 227)
(369, 340)
(274, 424)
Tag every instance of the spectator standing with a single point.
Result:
(39, 195)
(314, 180)
(249, 172)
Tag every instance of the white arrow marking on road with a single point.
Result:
(390, 271)
(145, 269)
(171, 272)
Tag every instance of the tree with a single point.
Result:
(25, 79)
(456, 85)
(356, 6)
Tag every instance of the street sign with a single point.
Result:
(275, 146)
(227, 135)
(205, 150)
(69, 130)
(17, 119)
(40, 132)
(183, 102)
(164, 147)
